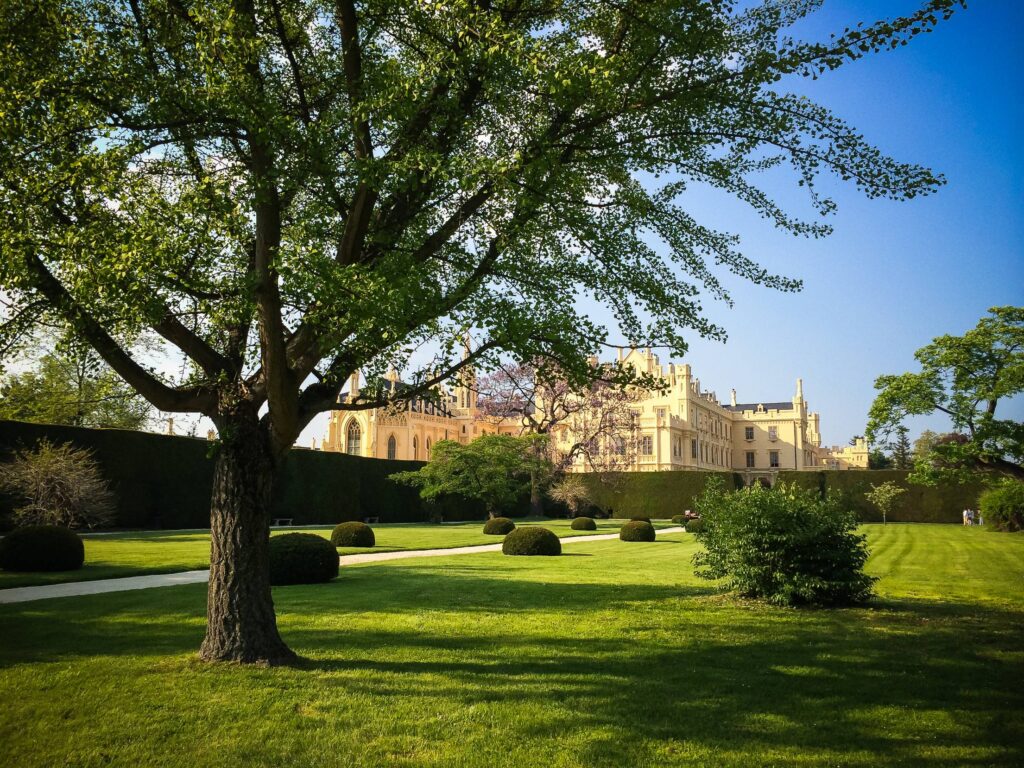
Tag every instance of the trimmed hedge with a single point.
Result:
(679, 519)
(302, 558)
(695, 525)
(353, 534)
(650, 494)
(920, 504)
(41, 548)
(532, 540)
(499, 526)
(637, 530)
(583, 524)
(164, 481)
(1002, 507)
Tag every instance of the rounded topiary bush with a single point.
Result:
(353, 534)
(499, 526)
(532, 540)
(41, 548)
(679, 519)
(302, 558)
(583, 524)
(637, 530)
(695, 525)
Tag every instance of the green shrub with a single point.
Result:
(695, 525)
(679, 519)
(640, 518)
(783, 545)
(41, 548)
(1002, 507)
(637, 530)
(302, 558)
(532, 540)
(353, 534)
(499, 526)
(583, 524)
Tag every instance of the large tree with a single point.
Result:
(286, 191)
(965, 378)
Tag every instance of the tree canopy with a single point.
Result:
(286, 191)
(965, 378)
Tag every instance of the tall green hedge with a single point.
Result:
(650, 494)
(920, 503)
(164, 481)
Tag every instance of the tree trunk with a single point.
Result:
(240, 621)
(536, 500)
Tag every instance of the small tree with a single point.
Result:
(902, 454)
(571, 491)
(783, 545)
(493, 468)
(884, 496)
(59, 485)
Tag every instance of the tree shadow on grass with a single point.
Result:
(637, 664)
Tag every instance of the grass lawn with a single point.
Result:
(111, 555)
(614, 655)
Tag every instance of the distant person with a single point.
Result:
(966, 518)
(981, 520)
(970, 516)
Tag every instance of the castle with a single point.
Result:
(680, 427)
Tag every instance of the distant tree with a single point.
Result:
(883, 497)
(964, 377)
(900, 450)
(493, 468)
(572, 491)
(71, 385)
(878, 460)
(57, 485)
(925, 442)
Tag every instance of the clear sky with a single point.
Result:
(893, 275)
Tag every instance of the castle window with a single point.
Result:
(748, 433)
(392, 447)
(773, 459)
(354, 439)
(693, 449)
(619, 446)
(428, 449)
(773, 433)
(750, 459)
(415, 448)
(647, 445)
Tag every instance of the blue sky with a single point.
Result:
(893, 275)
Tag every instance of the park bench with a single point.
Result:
(281, 521)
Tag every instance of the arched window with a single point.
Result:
(354, 441)
(428, 449)
(415, 448)
(392, 448)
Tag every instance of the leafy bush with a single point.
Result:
(41, 548)
(59, 485)
(532, 540)
(353, 534)
(302, 558)
(583, 524)
(498, 526)
(679, 519)
(694, 525)
(782, 545)
(1002, 507)
(637, 530)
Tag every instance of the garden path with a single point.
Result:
(75, 588)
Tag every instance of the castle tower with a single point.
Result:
(465, 389)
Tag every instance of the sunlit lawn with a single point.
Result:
(613, 655)
(113, 555)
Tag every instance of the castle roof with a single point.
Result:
(788, 406)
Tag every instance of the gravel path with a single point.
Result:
(74, 588)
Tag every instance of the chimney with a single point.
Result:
(799, 389)
(732, 397)
(353, 385)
